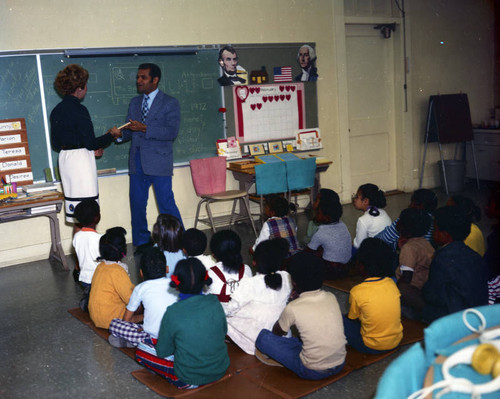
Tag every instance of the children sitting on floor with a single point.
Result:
(414, 260)
(492, 254)
(278, 223)
(167, 235)
(111, 285)
(370, 199)
(458, 276)
(423, 199)
(229, 269)
(373, 324)
(190, 350)
(475, 239)
(259, 300)
(332, 240)
(194, 243)
(320, 352)
(154, 294)
(86, 244)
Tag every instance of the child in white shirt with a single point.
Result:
(258, 301)
(155, 295)
(370, 199)
(194, 243)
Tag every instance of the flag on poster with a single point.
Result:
(282, 74)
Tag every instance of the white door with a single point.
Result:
(370, 86)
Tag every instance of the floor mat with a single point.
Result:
(84, 317)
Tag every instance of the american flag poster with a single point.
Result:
(282, 74)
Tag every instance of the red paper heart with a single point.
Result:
(252, 106)
(276, 98)
(252, 89)
(257, 90)
(270, 99)
(282, 88)
(292, 88)
(259, 105)
(242, 93)
(264, 98)
(288, 88)
(282, 97)
(288, 97)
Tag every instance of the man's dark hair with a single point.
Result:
(194, 241)
(153, 264)
(307, 271)
(226, 48)
(454, 221)
(154, 70)
(87, 211)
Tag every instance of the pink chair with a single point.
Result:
(209, 181)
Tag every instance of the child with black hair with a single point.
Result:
(373, 324)
(320, 352)
(229, 269)
(190, 350)
(414, 259)
(194, 243)
(422, 199)
(154, 294)
(332, 240)
(370, 199)
(475, 239)
(167, 235)
(278, 224)
(259, 300)
(111, 285)
(458, 276)
(86, 244)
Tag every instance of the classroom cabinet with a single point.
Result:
(487, 149)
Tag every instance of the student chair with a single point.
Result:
(300, 177)
(209, 181)
(270, 178)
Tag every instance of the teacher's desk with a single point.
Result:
(49, 205)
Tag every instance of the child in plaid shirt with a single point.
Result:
(155, 295)
(278, 224)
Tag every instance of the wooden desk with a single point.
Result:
(25, 209)
(246, 177)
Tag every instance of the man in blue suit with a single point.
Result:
(154, 124)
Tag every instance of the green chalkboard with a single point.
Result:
(192, 79)
(20, 98)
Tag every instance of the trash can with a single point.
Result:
(455, 174)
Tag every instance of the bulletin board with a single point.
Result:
(268, 112)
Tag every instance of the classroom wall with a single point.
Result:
(42, 24)
(452, 51)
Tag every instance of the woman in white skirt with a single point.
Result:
(72, 135)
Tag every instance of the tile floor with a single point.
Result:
(46, 353)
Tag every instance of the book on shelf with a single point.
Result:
(43, 209)
(39, 187)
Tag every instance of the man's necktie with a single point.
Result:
(145, 108)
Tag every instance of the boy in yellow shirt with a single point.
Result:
(373, 324)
